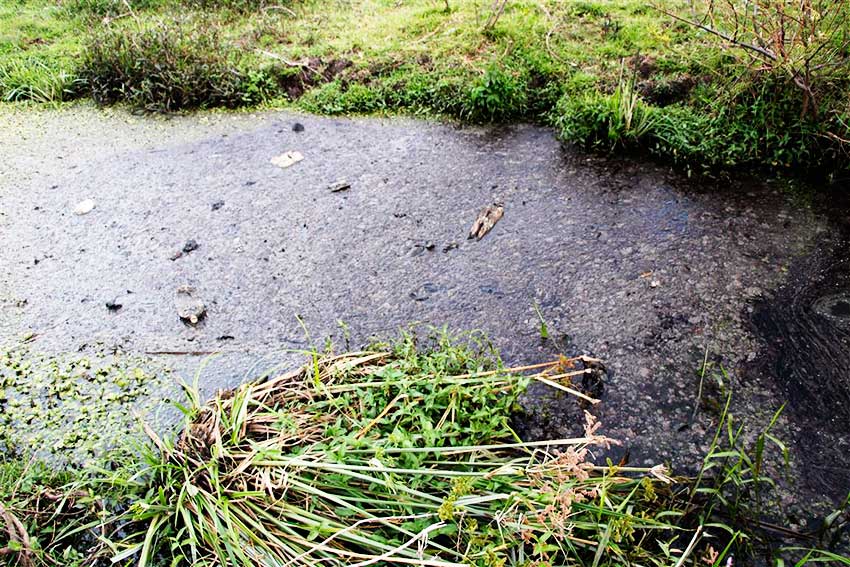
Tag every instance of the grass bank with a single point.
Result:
(677, 79)
(401, 454)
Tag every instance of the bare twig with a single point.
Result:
(282, 9)
(721, 34)
(17, 534)
(555, 26)
(496, 11)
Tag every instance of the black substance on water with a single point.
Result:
(805, 329)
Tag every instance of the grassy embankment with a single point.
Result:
(612, 75)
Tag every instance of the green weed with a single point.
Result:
(621, 120)
(499, 94)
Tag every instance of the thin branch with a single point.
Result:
(760, 50)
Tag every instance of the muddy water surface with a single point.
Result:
(627, 261)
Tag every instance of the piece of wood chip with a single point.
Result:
(486, 220)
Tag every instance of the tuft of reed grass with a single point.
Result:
(399, 455)
(167, 67)
(393, 458)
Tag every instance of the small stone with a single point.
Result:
(190, 246)
(217, 205)
(113, 306)
(420, 247)
(450, 246)
(84, 207)
(654, 283)
(297, 127)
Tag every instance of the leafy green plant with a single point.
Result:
(544, 328)
(761, 126)
(402, 454)
(338, 98)
(498, 94)
(399, 455)
(257, 85)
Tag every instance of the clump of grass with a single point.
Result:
(396, 457)
(34, 80)
(409, 88)
(498, 94)
(44, 516)
(621, 120)
(757, 125)
(166, 68)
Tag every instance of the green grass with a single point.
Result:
(410, 39)
(557, 62)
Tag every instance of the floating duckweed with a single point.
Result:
(67, 408)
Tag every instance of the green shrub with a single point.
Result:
(166, 68)
(427, 92)
(760, 127)
(258, 85)
(338, 98)
(408, 88)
